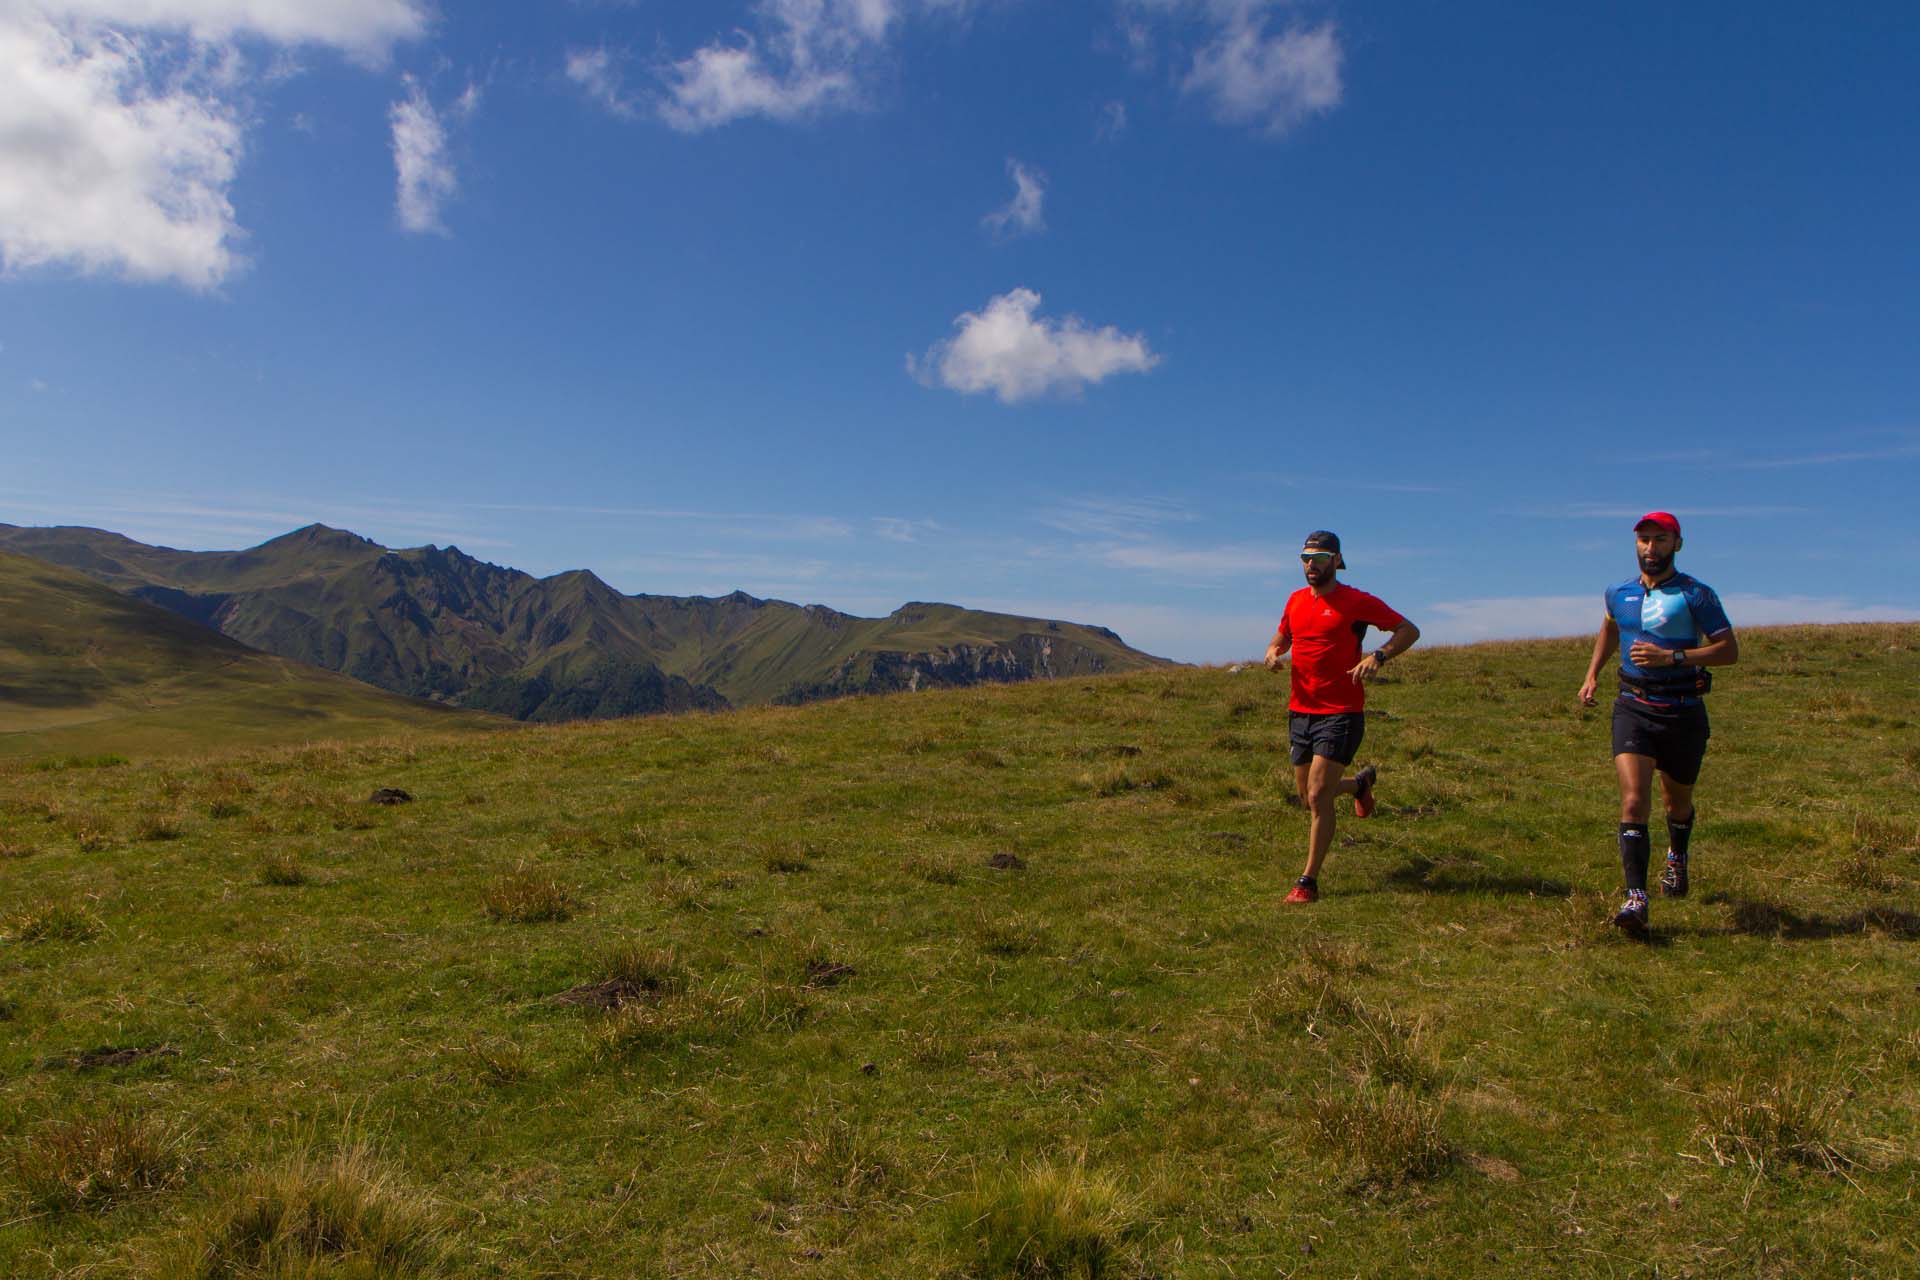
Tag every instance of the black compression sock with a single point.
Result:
(1678, 833)
(1635, 852)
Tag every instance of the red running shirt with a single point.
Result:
(1325, 633)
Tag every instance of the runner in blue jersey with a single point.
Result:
(1668, 627)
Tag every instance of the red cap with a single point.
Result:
(1659, 520)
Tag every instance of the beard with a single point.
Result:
(1654, 566)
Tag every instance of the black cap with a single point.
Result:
(1322, 540)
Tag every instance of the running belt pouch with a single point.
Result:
(1697, 682)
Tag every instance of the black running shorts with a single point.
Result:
(1676, 737)
(1336, 735)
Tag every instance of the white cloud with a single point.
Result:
(122, 125)
(367, 28)
(424, 172)
(1272, 82)
(1024, 214)
(803, 59)
(1004, 349)
(595, 72)
(1113, 121)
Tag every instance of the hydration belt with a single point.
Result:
(1696, 682)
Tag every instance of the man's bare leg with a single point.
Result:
(1319, 785)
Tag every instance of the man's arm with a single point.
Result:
(1721, 651)
(1603, 646)
(1399, 642)
(1282, 641)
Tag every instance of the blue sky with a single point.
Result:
(1081, 310)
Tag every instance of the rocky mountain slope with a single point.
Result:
(437, 623)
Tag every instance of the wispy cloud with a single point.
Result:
(803, 58)
(1004, 348)
(597, 73)
(425, 179)
(1114, 517)
(1610, 511)
(1830, 458)
(1112, 122)
(1270, 81)
(1024, 214)
(1199, 562)
(1523, 617)
(895, 529)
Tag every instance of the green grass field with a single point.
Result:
(992, 982)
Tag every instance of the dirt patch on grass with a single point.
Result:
(608, 994)
(1007, 861)
(106, 1056)
(1225, 841)
(828, 973)
(390, 795)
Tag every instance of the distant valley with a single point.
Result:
(436, 623)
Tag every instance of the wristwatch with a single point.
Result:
(1380, 656)
(1679, 657)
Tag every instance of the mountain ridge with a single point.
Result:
(438, 623)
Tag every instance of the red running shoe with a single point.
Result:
(1363, 793)
(1304, 890)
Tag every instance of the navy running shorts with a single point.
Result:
(1676, 737)
(1335, 735)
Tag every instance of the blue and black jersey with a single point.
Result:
(1680, 613)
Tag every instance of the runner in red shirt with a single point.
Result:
(1323, 624)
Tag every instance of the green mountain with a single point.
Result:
(82, 666)
(437, 623)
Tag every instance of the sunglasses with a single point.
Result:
(1316, 557)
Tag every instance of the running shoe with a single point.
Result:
(1673, 881)
(1363, 791)
(1631, 918)
(1304, 890)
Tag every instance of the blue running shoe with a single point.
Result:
(1673, 881)
(1631, 918)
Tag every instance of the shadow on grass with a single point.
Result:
(1769, 919)
(1466, 874)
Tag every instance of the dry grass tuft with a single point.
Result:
(1014, 935)
(156, 825)
(1301, 998)
(527, 895)
(704, 1013)
(345, 1215)
(934, 868)
(1865, 869)
(1055, 1219)
(1766, 1124)
(498, 1062)
(1393, 1050)
(54, 922)
(1389, 1135)
(281, 868)
(99, 1159)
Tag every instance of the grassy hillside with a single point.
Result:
(989, 982)
(86, 670)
